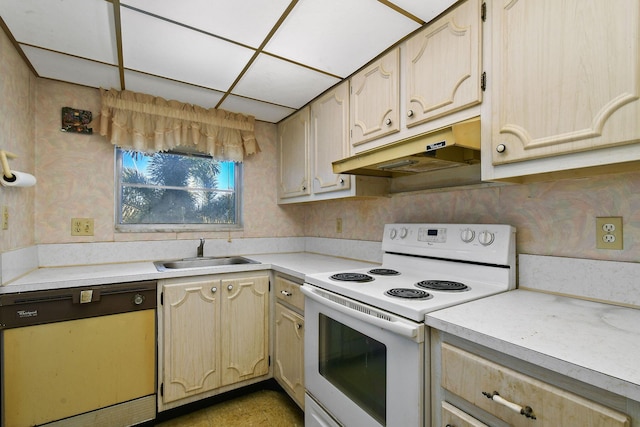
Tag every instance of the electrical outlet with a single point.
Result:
(82, 226)
(609, 233)
(5, 218)
(338, 225)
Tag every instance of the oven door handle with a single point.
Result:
(413, 331)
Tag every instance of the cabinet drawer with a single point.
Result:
(454, 417)
(469, 376)
(289, 291)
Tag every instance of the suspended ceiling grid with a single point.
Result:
(265, 58)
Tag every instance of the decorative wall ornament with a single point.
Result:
(76, 121)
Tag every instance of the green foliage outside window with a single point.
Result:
(176, 189)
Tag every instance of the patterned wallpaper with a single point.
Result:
(552, 218)
(77, 178)
(76, 175)
(17, 135)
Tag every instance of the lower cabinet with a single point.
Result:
(289, 338)
(454, 417)
(486, 387)
(214, 332)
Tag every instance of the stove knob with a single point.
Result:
(486, 238)
(403, 232)
(393, 233)
(467, 235)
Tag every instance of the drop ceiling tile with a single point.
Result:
(247, 21)
(339, 36)
(260, 110)
(83, 28)
(70, 69)
(425, 10)
(169, 89)
(158, 47)
(280, 82)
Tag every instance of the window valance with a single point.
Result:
(147, 123)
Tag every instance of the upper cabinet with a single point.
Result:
(293, 147)
(330, 139)
(375, 99)
(430, 81)
(318, 135)
(442, 65)
(564, 84)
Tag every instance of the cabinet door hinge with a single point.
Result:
(161, 389)
(483, 12)
(161, 298)
(483, 81)
(269, 286)
(269, 361)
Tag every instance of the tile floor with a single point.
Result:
(263, 408)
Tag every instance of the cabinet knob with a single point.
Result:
(286, 293)
(298, 326)
(501, 148)
(230, 287)
(410, 113)
(304, 187)
(341, 181)
(214, 290)
(388, 122)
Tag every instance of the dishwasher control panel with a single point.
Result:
(57, 305)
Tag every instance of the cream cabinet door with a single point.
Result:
(245, 328)
(191, 338)
(293, 147)
(330, 139)
(375, 99)
(289, 352)
(565, 77)
(452, 416)
(443, 65)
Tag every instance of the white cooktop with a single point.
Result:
(482, 257)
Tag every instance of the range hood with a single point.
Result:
(453, 146)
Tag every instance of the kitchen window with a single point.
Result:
(176, 191)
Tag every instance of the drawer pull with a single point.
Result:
(286, 293)
(526, 411)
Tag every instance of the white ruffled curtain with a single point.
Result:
(147, 123)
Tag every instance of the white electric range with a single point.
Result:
(365, 351)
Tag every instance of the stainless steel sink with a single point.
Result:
(202, 262)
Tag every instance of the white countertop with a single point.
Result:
(592, 342)
(296, 264)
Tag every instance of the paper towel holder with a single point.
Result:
(5, 165)
(15, 178)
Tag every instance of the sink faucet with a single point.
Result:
(201, 249)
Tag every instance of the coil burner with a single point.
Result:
(408, 293)
(442, 285)
(384, 272)
(352, 277)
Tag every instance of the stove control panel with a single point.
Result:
(492, 243)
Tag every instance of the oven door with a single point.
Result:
(364, 366)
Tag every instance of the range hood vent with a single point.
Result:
(452, 146)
